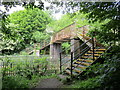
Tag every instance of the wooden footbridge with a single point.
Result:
(68, 33)
(84, 50)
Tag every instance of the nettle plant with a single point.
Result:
(25, 68)
(41, 65)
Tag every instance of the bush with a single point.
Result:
(14, 82)
(25, 72)
(111, 70)
(88, 84)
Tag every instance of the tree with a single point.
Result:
(100, 11)
(68, 19)
(57, 25)
(22, 25)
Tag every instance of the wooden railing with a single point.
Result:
(65, 33)
(82, 31)
(69, 32)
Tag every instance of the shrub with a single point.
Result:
(14, 82)
(88, 84)
(25, 72)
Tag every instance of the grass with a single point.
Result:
(88, 84)
(15, 82)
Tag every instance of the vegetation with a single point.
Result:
(68, 19)
(33, 25)
(108, 32)
(20, 82)
(88, 84)
(24, 73)
(23, 28)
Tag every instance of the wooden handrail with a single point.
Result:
(65, 33)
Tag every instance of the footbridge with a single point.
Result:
(70, 32)
(73, 35)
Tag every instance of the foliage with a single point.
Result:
(20, 82)
(22, 27)
(39, 36)
(57, 25)
(26, 72)
(65, 47)
(23, 53)
(14, 82)
(100, 11)
(88, 84)
(25, 68)
(80, 19)
(42, 63)
(110, 76)
(68, 19)
(26, 4)
(92, 71)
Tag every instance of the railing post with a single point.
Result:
(93, 46)
(60, 63)
(71, 62)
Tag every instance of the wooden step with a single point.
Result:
(96, 52)
(91, 54)
(101, 49)
(79, 66)
(85, 60)
(75, 66)
(89, 57)
(69, 72)
(77, 70)
(83, 63)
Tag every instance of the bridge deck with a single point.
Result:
(68, 33)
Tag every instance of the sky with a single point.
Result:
(13, 9)
(18, 7)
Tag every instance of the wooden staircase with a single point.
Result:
(80, 64)
(87, 53)
(88, 56)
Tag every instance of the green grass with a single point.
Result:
(15, 82)
(88, 84)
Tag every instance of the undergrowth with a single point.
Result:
(26, 74)
(90, 83)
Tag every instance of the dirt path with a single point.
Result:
(50, 83)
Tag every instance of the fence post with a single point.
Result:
(60, 63)
(93, 46)
(71, 62)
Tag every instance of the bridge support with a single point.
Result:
(75, 44)
(55, 49)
